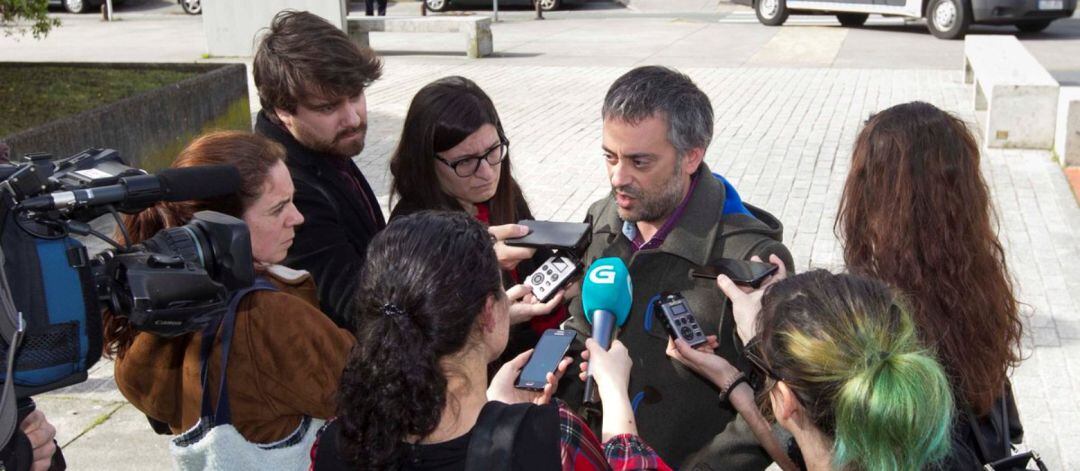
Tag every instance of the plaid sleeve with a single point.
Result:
(630, 452)
(582, 451)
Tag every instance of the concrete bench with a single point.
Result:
(475, 29)
(1067, 143)
(1018, 95)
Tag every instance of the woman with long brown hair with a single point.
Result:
(453, 155)
(916, 213)
(286, 356)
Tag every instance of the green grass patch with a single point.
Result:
(34, 95)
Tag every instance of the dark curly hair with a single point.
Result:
(916, 213)
(426, 280)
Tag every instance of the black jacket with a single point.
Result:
(332, 242)
(518, 437)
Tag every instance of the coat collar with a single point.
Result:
(302, 159)
(693, 236)
(299, 154)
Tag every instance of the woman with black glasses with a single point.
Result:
(453, 155)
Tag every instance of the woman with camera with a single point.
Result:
(286, 356)
(415, 394)
(454, 156)
(916, 213)
(839, 365)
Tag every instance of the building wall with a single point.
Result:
(231, 26)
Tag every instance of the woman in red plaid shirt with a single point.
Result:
(415, 393)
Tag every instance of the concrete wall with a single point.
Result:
(231, 26)
(1067, 142)
(148, 129)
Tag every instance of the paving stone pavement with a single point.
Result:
(783, 137)
(784, 129)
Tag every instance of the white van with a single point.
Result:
(947, 19)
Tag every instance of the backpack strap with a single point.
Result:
(973, 424)
(222, 414)
(998, 418)
(491, 447)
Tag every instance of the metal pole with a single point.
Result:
(108, 10)
(495, 8)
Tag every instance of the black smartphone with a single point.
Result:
(552, 235)
(742, 272)
(549, 351)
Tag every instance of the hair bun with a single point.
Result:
(391, 310)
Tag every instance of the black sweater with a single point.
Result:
(338, 222)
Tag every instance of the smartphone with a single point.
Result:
(549, 351)
(552, 235)
(742, 272)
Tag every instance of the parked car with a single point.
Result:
(946, 19)
(191, 7)
(81, 6)
(546, 5)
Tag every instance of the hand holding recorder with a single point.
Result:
(526, 304)
(566, 240)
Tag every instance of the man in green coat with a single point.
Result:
(668, 214)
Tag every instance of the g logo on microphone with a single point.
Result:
(603, 274)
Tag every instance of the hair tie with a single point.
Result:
(391, 310)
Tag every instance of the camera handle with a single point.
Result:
(12, 327)
(10, 414)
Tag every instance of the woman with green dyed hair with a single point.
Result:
(842, 369)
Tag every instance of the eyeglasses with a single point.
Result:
(753, 353)
(759, 378)
(468, 166)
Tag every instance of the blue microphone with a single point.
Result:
(606, 296)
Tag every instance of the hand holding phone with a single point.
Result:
(547, 355)
(502, 388)
(510, 256)
(554, 235)
(742, 272)
(745, 306)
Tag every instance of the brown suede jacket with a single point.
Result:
(285, 363)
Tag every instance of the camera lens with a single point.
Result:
(181, 242)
